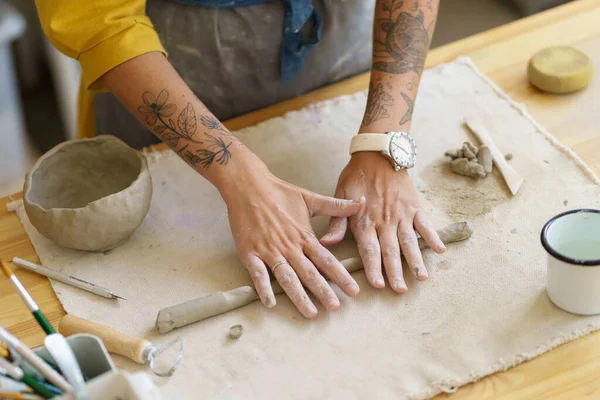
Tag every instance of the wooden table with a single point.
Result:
(568, 372)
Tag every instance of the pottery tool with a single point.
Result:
(38, 387)
(221, 302)
(11, 385)
(16, 359)
(138, 350)
(36, 361)
(27, 299)
(4, 350)
(511, 177)
(66, 279)
(65, 360)
(18, 396)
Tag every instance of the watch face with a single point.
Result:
(403, 149)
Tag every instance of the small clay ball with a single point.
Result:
(508, 157)
(236, 331)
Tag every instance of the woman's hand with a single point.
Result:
(270, 222)
(385, 227)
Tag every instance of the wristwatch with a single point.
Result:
(398, 147)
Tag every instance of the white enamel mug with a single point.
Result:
(572, 240)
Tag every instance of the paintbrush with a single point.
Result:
(10, 385)
(27, 299)
(36, 361)
(18, 396)
(44, 390)
(4, 350)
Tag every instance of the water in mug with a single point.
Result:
(581, 249)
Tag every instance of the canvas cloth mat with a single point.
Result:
(484, 309)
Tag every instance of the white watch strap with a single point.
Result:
(370, 142)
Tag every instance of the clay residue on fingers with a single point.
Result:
(362, 178)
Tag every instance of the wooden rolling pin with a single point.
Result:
(221, 302)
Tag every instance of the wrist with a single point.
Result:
(246, 170)
(383, 129)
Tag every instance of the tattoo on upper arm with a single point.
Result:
(429, 5)
(415, 6)
(409, 111)
(400, 46)
(377, 104)
(156, 109)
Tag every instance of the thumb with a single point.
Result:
(334, 207)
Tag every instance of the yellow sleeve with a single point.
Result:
(100, 34)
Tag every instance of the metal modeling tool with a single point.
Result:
(36, 361)
(27, 299)
(220, 302)
(66, 279)
(138, 350)
(63, 356)
(38, 387)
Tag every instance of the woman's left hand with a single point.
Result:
(385, 227)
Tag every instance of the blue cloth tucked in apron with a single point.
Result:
(294, 47)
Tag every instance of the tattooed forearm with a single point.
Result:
(377, 104)
(156, 109)
(400, 45)
(408, 114)
(217, 151)
(214, 124)
(415, 6)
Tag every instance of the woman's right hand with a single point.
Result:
(270, 222)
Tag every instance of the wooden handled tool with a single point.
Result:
(138, 350)
(511, 177)
(135, 349)
(221, 302)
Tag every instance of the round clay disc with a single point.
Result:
(560, 69)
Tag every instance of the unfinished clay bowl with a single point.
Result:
(89, 194)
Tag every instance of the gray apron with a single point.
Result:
(230, 58)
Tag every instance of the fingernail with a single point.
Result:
(352, 289)
(311, 311)
(421, 274)
(326, 236)
(362, 199)
(379, 282)
(270, 301)
(333, 303)
(399, 285)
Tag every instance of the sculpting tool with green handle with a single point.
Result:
(27, 299)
